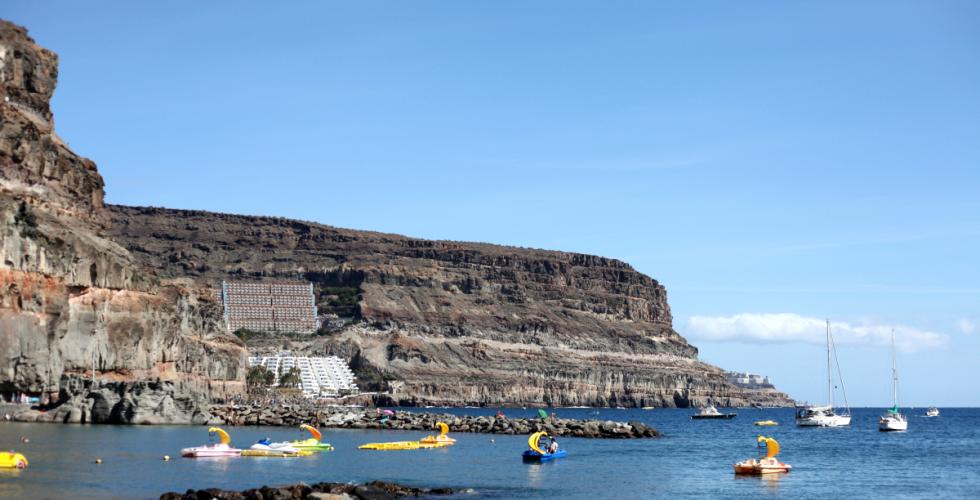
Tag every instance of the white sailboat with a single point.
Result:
(824, 416)
(892, 420)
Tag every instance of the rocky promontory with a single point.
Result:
(362, 418)
(125, 295)
(452, 323)
(73, 302)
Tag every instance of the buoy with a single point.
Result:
(98, 460)
(166, 457)
(492, 441)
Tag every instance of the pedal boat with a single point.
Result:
(312, 443)
(266, 448)
(766, 423)
(12, 460)
(536, 454)
(222, 449)
(439, 441)
(767, 465)
(442, 439)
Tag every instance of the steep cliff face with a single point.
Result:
(71, 299)
(451, 322)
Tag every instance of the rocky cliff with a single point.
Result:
(72, 300)
(121, 291)
(442, 322)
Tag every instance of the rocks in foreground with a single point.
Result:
(107, 402)
(368, 418)
(378, 490)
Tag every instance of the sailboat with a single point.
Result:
(824, 416)
(892, 420)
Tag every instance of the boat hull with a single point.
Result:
(12, 460)
(747, 470)
(824, 421)
(755, 467)
(892, 425)
(723, 416)
(533, 456)
(212, 451)
(275, 453)
(311, 445)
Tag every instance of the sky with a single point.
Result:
(773, 164)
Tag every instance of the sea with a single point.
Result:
(936, 458)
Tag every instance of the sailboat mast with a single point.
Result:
(830, 385)
(894, 374)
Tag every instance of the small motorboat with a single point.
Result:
(766, 423)
(313, 442)
(710, 412)
(766, 465)
(12, 460)
(536, 454)
(222, 449)
(932, 412)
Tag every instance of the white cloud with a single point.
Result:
(788, 327)
(966, 326)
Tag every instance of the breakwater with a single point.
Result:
(377, 490)
(370, 418)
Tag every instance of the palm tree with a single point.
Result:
(290, 379)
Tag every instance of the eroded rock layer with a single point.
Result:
(71, 299)
(442, 322)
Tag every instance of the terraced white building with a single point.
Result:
(319, 377)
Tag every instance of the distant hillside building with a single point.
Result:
(269, 306)
(748, 380)
(320, 377)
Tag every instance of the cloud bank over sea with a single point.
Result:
(795, 328)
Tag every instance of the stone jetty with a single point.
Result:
(378, 490)
(369, 418)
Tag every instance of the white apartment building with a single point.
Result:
(319, 377)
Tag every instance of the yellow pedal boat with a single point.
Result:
(766, 423)
(428, 442)
(12, 460)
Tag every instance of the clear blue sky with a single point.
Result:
(814, 159)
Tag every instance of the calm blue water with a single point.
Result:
(938, 457)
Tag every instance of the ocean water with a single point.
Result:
(936, 458)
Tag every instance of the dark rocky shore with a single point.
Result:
(368, 418)
(378, 490)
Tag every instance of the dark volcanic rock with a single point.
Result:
(361, 418)
(378, 490)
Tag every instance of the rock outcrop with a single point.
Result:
(71, 299)
(140, 402)
(451, 323)
(377, 490)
